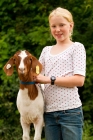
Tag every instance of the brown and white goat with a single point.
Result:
(29, 99)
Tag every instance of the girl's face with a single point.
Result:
(60, 28)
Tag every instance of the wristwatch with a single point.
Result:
(52, 78)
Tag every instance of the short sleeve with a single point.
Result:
(79, 59)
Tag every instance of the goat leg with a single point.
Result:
(38, 129)
(26, 130)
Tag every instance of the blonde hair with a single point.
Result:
(64, 13)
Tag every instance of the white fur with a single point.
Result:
(31, 111)
(22, 55)
(8, 66)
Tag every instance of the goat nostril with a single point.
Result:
(21, 69)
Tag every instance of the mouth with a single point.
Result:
(21, 71)
(59, 35)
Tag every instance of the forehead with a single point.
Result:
(57, 19)
(23, 54)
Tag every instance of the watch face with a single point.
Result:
(53, 78)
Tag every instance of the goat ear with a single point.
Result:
(36, 63)
(8, 68)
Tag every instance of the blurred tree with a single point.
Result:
(24, 25)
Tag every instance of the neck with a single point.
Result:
(65, 42)
(26, 79)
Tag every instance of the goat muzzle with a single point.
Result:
(21, 70)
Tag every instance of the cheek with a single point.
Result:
(66, 29)
(53, 32)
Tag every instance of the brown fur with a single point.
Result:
(30, 70)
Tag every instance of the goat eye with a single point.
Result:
(14, 59)
(30, 59)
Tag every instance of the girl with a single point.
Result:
(64, 66)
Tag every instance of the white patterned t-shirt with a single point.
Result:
(67, 63)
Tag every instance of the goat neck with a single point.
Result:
(32, 89)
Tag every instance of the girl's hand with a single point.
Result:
(42, 79)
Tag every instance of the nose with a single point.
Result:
(21, 70)
(57, 28)
(21, 67)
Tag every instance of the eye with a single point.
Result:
(14, 59)
(62, 25)
(30, 60)
(53, 26)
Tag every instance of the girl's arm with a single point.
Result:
(71, 81)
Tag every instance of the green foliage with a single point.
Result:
(10, 133)
(24, 25)
(88, 131)
(87, 93)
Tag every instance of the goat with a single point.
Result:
(30, 101)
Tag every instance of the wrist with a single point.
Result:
(52, 78)
(47, 80)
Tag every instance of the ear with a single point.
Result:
(36, 63)
(8, 68)
(71, 26)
